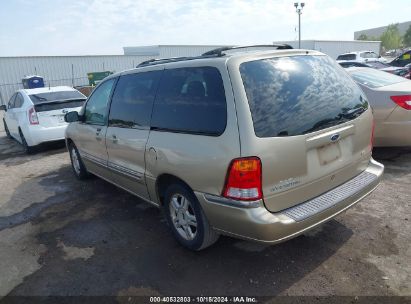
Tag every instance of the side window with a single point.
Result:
(133, 99)
(96, 107)
(19, 101)
(10, 105)
(191, 100)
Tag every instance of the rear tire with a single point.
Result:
(77, 164)
(27, 149)
(186, 218)
(6, 129)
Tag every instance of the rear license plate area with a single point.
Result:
(329, 153)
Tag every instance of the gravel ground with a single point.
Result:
(60, 236)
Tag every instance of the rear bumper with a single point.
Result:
(36, 135)
(256, 223)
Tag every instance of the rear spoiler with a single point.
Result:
(59, 104)
(59, 101)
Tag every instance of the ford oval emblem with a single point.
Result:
(335, 137)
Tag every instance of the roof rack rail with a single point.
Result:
(212, 53)
(162, 60)
(219, 51)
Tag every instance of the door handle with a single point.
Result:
(98, 131)
(115, 140)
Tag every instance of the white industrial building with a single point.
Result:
(166, 51)
(72, 70)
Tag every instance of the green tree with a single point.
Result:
(363, 37)
(407, 37)
(391, 38)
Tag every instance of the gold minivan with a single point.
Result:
(261, 145)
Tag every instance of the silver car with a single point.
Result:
(258, 145)
(390, 98)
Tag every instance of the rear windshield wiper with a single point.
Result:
(353, 113)
(326, 123)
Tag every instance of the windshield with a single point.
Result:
(374, 78)
(298, 95)
(56, 96)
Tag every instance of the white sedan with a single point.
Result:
(35, 116)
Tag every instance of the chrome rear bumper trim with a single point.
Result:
(331, 198)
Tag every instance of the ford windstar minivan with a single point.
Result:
(261, 145)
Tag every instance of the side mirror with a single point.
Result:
(71, 116)
(3, 108)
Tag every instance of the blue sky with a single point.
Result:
(78, 27)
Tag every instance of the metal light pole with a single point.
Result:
(299, 10)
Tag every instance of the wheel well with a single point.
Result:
(163, 181)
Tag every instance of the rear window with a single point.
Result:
(347, 57)
(297, 95)
(191, 100)
(56, 96)
(51, 101)
(375, 79)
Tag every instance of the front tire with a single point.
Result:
(186, 218)
(6, 129)
(77, 164)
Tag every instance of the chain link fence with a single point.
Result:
(8, 89)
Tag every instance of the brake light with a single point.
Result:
(404, 101)
(243, 180)
(33, 119)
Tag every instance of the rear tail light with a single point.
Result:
(404, 101)
(243, 180)
(33, 119)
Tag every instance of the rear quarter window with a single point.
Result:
(191, 100)
(297, 95)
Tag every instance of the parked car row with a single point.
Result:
(363, 56)
(368, 56)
